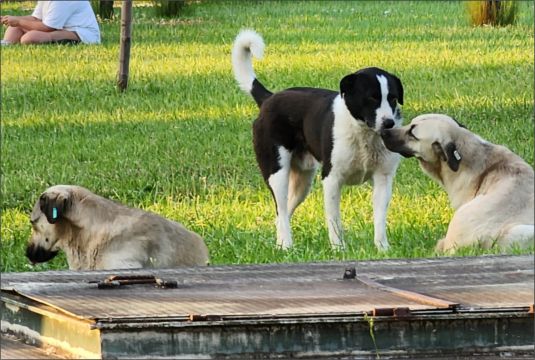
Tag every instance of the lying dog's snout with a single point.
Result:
(388, 124)
(37, 254)
(30, 250)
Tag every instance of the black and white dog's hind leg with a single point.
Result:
(302, 171)
(290, 185)
(278, 182)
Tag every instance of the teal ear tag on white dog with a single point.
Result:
(54, 213)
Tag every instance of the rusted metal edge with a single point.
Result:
(414, 296)
(513, 309)
(192, 319)
(199, 318)
(309, 317)
(445, 315)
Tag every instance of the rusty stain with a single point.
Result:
(402, 311)
(197, 317)
(396, 312)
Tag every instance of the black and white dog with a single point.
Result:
(298, 128)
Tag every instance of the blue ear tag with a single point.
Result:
(54, 213)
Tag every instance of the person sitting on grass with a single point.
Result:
(53, 22)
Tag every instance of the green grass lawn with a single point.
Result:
(178, 142)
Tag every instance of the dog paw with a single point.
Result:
(340, 246)
(284, 244)
(445, 247)
(54, 203)
(336, 238)
(439, 247)
(382, 246)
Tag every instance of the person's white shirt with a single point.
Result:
(77, 16)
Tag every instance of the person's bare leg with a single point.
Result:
(13, 34)
(40, 37)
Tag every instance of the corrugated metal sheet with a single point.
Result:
(287, 289)
(280, 296)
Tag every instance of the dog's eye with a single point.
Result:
(46, 239)
(392, 99)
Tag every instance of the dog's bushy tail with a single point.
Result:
(249, 44)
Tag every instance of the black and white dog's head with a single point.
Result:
(373, 96)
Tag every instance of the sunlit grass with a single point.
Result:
(178, 142)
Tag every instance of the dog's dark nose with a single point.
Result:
(388, 124)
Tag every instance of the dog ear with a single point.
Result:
(347, 84)
(54, 207)
(400, 89)
(450, 154)
(458, 123)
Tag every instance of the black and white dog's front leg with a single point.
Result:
(382, 193)
(332, 187)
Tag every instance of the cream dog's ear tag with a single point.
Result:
(457, 155)
(54, 213)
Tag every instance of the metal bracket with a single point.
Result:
(350, 273)
(114, 281)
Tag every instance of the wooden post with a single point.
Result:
(126, 39)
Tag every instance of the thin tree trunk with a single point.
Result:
(126, 39)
